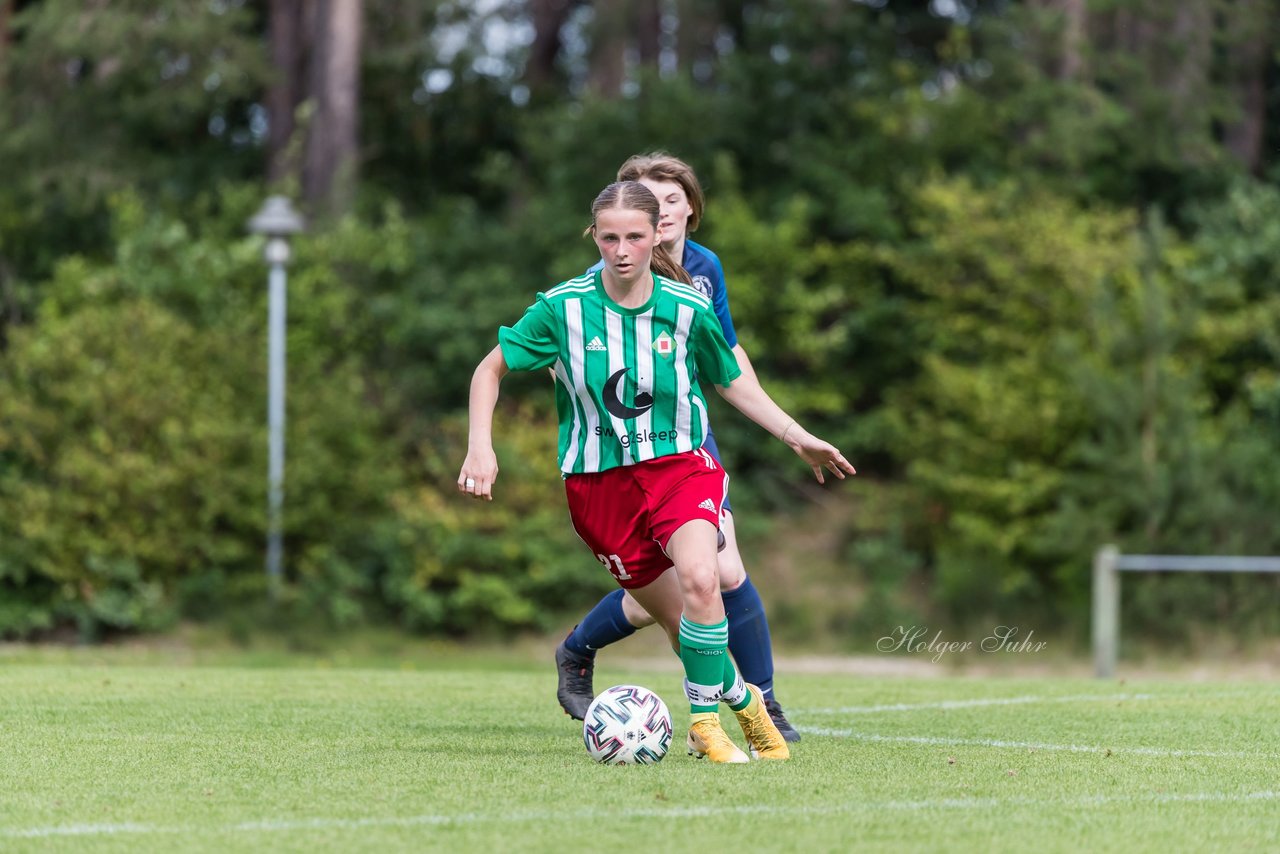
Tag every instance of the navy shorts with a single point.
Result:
(709, 445)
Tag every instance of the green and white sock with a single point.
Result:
(704, 653)
(735, 691)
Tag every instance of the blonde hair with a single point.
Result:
(660, 166)
(634, 196)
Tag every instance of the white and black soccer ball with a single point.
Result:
(627, 725)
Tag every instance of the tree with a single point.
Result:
(329, 172)
(286, 28)
(647, 20)
(696, 37)
(98, 97)
(1248, 41)
(1065, 22)
(549, 18)
(608, 66)
(316, 56)
(1188, 76)
(1158, 58)
(622, 31)
(6, 12)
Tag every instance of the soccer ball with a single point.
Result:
(627, 725)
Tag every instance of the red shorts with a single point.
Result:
(626, 515)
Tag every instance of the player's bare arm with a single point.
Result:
(753, 401)
(744, 362)
(480, 468)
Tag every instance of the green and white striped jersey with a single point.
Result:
(627, 378)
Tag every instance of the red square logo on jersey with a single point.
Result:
(664, 344)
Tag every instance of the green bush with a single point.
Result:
(133, 443)
(465, 567)
(1064, 403)
(134, 440)
(127, 463)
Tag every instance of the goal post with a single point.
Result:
(1109, 562)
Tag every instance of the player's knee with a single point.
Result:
(700, 582)
(634, 614)
(729, 561)
(732, 572)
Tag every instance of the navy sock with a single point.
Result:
(749, 640)
(603, 625)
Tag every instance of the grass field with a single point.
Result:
(476, 756)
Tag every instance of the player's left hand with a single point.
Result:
(818, 454)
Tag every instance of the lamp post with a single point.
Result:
(278, 221)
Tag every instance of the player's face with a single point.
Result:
(674, 210)
(626, 240)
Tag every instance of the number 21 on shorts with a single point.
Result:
(613, 563)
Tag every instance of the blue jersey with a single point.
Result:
(708, 276)
(704, 268)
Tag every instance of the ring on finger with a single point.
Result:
(470, 483)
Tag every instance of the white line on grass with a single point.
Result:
(286, 825)
(1030, 745)
(982, 701)
(83, 830)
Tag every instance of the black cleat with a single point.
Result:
(575, 691)
(780, 720)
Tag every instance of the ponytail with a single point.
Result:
(664, 265)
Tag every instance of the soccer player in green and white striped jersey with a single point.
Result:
(617, 614)
(628, 347)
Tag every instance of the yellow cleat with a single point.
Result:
(762, 734)
(708, 739)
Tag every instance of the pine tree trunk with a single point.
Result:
(648, 29)
(1172, 45)
(10, 310)
(1075, 24)
(608, 63)
(288, 52)
(732, 16)
(549, 17)
(695, 38)
(6, 12)
(329, 178)
(1192, 46)
(1248, 45)
(1063, 25)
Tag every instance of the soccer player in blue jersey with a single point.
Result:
(628, 349)
(618, 615)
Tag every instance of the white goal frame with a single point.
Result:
(1108, 563)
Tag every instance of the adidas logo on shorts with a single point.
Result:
(708, 505)
(596, 345)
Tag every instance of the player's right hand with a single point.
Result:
(479, 473)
